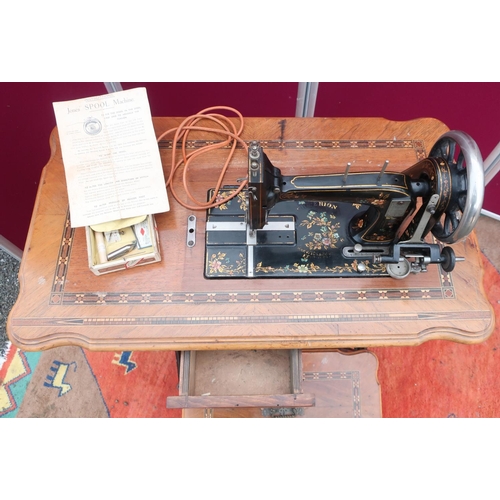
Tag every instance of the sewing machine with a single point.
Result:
(379, 223)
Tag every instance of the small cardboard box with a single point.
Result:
(121, 245)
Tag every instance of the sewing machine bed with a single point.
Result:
(302, 239)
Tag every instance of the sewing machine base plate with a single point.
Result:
(302, 239)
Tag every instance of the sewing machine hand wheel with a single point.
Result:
(464, 159)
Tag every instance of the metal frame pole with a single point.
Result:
(306, 99)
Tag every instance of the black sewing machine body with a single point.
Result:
(347, 224)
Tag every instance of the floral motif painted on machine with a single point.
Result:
(220, 263)
(325, 235)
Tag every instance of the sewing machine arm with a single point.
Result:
(441, 194)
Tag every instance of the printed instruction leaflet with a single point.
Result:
(111, 157)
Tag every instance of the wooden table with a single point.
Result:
(170, 305)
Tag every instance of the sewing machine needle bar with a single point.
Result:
(382, 170)
(348, 167)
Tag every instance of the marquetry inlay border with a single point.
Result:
(353, 376)
(235, 320)
(417, 145)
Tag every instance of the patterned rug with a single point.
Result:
(435, 379)
(72, 382)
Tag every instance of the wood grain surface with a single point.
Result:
(170, 305)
